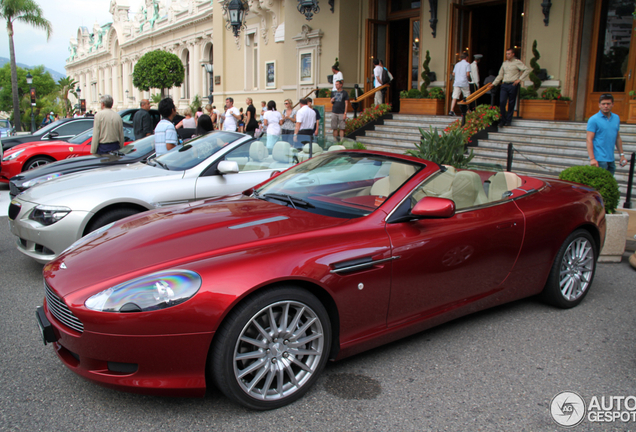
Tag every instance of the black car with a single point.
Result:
(128, 114)
(137, 151)
(61, 130)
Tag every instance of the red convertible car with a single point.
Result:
(342, 253)
(24, 157)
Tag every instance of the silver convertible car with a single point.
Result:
(49, 217)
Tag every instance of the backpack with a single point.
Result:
(386, 76)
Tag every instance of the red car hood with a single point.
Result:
(39, 144)
(170, 238)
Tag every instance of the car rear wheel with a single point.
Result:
(271, 349)
(572, 272)
(109, 216)
(36, 162)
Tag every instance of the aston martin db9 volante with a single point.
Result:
(50, 216)
(347, 251)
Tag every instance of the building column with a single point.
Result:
(195, 71)
(117, 97)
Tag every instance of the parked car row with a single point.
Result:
(223, 262)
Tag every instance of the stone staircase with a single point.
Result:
(542, 148)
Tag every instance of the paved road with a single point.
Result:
(494, 371)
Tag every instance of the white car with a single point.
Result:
(51, 216)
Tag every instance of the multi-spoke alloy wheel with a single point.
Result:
(272, 348)
(572, 271)
(577, 268)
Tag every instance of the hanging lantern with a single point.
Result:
(308, 8)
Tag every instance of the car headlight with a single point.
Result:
(48, 215)
(148, 293)
(12, 156)
(41, 179)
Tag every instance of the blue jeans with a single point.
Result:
(610, 166)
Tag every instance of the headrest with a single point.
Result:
(282, 152)
(258, 151)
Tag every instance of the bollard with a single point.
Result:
(630, 183)
(509, 161)
(356, 105)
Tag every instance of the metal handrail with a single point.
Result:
(369, 93)
(630, 182)
(474, 96)
(308, 94)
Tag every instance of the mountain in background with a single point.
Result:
(56, 75)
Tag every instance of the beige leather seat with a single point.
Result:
(283, 155)
(258, 156)
(501, 183)
(467, 190)
(335, 147)
(304, 154)
(398, 174)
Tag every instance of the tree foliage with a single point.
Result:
(536, 69)
(27, 12)
(447, 148)
(43, 83)
(158, 70)
(66, 85)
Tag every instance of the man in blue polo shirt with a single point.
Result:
(603, 135)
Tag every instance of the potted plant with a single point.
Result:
(447, 148)
(616, 222)
(551, 105)
(423, 101)
(478, 123)
(323, 97)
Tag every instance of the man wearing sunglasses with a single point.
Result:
(603, 135)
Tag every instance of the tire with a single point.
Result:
(110, 216)
(572, 272)
(296, 345)
(36, 162)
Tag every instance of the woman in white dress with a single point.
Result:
(273, 121)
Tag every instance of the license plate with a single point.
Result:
(45, 326)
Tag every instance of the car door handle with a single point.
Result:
(506, 225)
(306, 181)
(359, 264)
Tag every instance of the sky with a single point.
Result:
(66, 16)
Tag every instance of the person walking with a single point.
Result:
(305, 121)
(473, 83)
(108, 128)
(512, 73)
(603, 135)
(289, 118)
(166, 137)
(461, 74)
(337, 76)
(272, 120)
(250, 117)
(377, 81)
(340, 106)
(231, 116)
(142, 122)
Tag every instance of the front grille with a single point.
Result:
(61, 312)
(14, 190)
(14, 210)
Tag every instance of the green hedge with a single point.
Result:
(598, 178)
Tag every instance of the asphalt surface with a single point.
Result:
(497, 370)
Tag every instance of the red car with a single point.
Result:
(24, 157)
(340, 254)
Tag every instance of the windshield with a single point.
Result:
(48, 127)
(4, 124)
(196, 151)
(341, 184)
(139, 148)
(79, 139)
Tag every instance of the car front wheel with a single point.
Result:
(36, 162)
(572, 272)
(271, 348)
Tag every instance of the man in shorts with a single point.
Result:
(340, 106)
(461, 73)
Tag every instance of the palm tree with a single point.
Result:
(66, 85)
(28, 12)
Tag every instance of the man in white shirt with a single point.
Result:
(305, 121)
(461, 72)
(337, 76)
(377, 81)
(231, 116)
(474, 76)
(165, 133)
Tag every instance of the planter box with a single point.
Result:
(369, 126)
(422, 106)
(615, 237)
(544, 109)
(482, 134)
(631, 112)
(326, 102)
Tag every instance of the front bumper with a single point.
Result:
(45, 242)
(161, 364)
